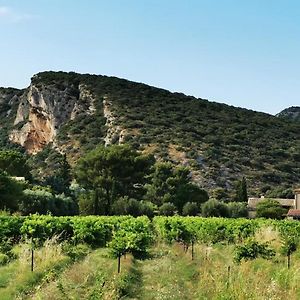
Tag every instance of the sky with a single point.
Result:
(243, 53)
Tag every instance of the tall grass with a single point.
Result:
(17, 278)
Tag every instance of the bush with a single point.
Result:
(76, 252)
(269, 209)
(214, 208)
(237, 209)
(133, 207)
(147, 208)
(126, 206)
(167, 209)
(190, 209)
(43, 202)
(86, 203)
(252, 249)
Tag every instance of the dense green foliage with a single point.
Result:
(205, 230)
(10, 192)
(237, 209)
(269, 209)
(170, 184)
(14, 163)
(253, 249)
(133, 236)
(112, 172)
(241, 191)
(214, 208)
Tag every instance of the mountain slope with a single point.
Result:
(73, 113)
(291, 113)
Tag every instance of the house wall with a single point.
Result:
(297, 199)
(286, 203)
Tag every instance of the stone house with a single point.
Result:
(293, 205)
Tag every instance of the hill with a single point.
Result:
(291, 113)
(72, 113)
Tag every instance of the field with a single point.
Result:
(163, 258)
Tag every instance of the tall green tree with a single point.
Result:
(173, 184)
(10, 192)
(14, 163)
(61, 179)
(241, 191)
(112, 172)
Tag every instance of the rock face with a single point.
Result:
(43, 109)
(291, 113)
(115, 134)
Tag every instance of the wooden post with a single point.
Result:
(289, 260)
(119, 263)
(32, 260)
(228, 276)
(192, 249)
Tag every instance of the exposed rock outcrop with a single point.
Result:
(44, 109)
(115, 134)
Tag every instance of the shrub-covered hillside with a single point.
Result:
(220, 143)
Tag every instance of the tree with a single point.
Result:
(42, 201)
(220, 194)
(190, 209)
(214, 208)
(241, 191)
(167, 209)
(237, 209)
(269, 209)
(61, 180)
(11, 192)
(173, 184)
(14, 163)
(133, 207)
(113, 172)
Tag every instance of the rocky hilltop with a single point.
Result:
(72, 113)
(291, 113)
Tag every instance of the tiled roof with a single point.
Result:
(294, 213)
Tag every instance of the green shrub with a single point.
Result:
(167, 209)
(214, 208)
(253, 249)
(76, 252)
(237, 209)
(269, 209)
(190, 209)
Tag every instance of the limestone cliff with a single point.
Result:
(43, 109)
(115, 134)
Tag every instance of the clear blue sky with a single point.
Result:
(244, 53)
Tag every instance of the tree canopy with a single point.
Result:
(112, 172)
(173, 184)
(14, 163)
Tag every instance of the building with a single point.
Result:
(293, 205)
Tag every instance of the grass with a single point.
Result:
(171, 274)
(16, 278)
(93, 278)
(167, 273)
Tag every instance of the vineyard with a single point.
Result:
(97, 257)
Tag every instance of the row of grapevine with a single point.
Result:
(93, 230)
(205, 230)
(100, 230)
